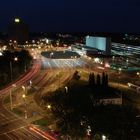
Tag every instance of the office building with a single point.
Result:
(18, 31)
(101, 43)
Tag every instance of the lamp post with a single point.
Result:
(103, 137)
(138, 74)
(66, 89)
(24, 97)
(24, 89)
(10, 44)
(31, 83)
(11, 71)
(11, 101)
(11, 68)
(49, 106)
(119, 72)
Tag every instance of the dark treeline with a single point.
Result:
(12, 65)
(98, 80)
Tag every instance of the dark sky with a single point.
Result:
(73, 15)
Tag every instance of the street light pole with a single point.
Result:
(11, 71)
(11, 68)
(24, 97)
(138, 74)
(120, 70)
(66, 89)
(11, 102)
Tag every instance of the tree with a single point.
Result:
(91, 79)
(76, 75)
(106, 80)
(98, 82)
(103, 79)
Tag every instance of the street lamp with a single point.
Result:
(138, 74)
(25, 89)
(49, 106)
(11, 68)
(24, 97)
(103, 137)
(31, 83)
(127, 62)
(66, 89)
(1, 54)
(11, 101)
(89, 131)
(119, 71)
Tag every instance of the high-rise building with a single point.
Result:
(100, 43)
(18, 31)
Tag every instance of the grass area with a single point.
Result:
(17, 111)
(7, 99)
(31, 91)
(77, 102)
(132, 98)
(41, 122)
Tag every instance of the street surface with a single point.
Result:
(46, 76)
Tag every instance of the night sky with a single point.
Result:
(73, 15)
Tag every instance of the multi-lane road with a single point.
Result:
(11, 126)
(46, 75)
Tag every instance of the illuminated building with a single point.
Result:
(18, 31)
(100, 43)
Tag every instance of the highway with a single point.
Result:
(11, 126)
(46, 75)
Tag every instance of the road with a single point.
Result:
(13, 127)
(46, 75)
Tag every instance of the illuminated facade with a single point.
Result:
(100, 43)
(18, 31)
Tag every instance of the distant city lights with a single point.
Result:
(1, 54)
(96, 60)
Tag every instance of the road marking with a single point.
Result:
(8, 136)
(31, 133)
(2, 115)
(10, 121)
(13, 130)
(14, 136)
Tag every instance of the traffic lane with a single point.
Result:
(4, 137)
(21, 134)
(24, 134)
(28, 76)
(10, 126)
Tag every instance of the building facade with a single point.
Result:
(18, 31)
(100, 43)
